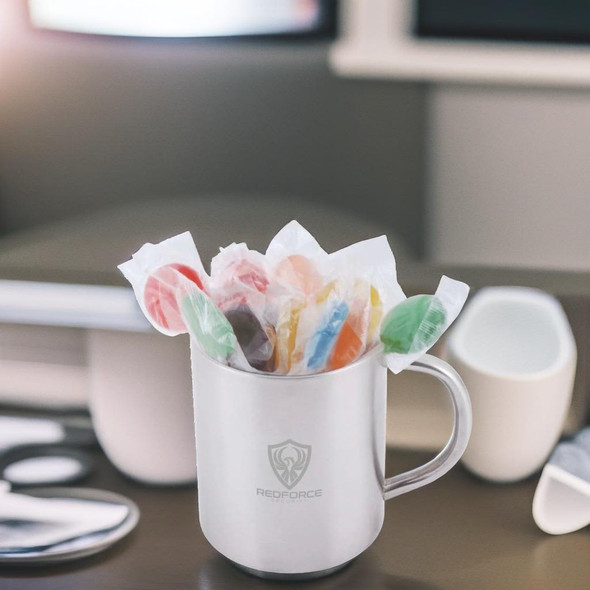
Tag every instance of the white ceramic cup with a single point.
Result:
(141, 404)
(516, 353)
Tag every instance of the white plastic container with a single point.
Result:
(562, 501)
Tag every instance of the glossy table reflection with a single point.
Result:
(458, 533)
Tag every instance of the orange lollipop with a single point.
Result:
(351, 340)
(299, 272)
(347, 349)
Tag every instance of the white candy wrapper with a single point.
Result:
(294, 239)
(172, 289)
(294, 310)
(450, 296)
(297, 263)
(239, 275)
(332, 332)
(154, 274)
(371, 263)
(364, 281)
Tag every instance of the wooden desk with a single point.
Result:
(458, 533)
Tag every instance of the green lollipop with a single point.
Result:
(208, 325)
(413, 325)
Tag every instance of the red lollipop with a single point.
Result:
(161, 291)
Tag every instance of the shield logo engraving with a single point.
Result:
(289, 461)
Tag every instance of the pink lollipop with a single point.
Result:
(238, 280)
(160, 294)
(248, 274)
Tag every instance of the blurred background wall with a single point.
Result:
(86, 122)
(478, 174)
(509, 176)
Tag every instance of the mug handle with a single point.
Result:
(457, 443)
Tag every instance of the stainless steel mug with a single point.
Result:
(290, 469)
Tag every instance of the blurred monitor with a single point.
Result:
(531, 42)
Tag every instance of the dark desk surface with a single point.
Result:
(458, 533)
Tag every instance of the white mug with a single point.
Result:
(515, 350)
(291, 468)
(141, 406)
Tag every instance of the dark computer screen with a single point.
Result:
(550, 21)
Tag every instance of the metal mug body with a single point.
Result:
(291, 469)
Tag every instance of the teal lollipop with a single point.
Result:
(413, 325)
(208, 325)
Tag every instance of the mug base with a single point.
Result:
(291, 577)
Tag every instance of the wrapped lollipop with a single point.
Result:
(239, 281)
(373, 288)
(157, 272)
(256, 338)
(295, 310)
(416, 324)
(239, 276)
(318, 329)
(171, 286)
(297, 282)
(286, 335)
(320, 345)
(296, 262)
(352, 339)
(211, 330)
